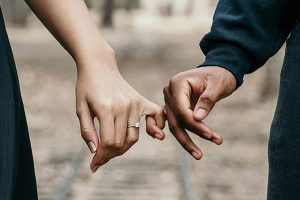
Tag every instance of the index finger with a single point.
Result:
(87, 127)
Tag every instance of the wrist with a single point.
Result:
(225, 72)
(100, 58)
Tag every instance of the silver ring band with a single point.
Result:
(136, 125)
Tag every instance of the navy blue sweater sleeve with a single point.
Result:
(246, 33)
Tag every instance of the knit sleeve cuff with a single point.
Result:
(228, 57)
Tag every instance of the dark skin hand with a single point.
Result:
(189, 97)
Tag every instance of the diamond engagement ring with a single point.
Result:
(136, 125)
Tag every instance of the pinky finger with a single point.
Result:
(152, 129)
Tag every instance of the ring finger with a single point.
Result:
(132, 134)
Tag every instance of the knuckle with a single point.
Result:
(123, 107)
(183, 140)
(173, 127)
(140, 103)
(179, 115)
(173, 82)
(134, 102)
(127, 103)
(188, 146)
(208, 99)
(85, 132)
(208, 135)
(106, 106)
(166, 89)
(109, 144)
(185, 144)
(177, 112)
(78, 113)
(150, 130)
(118, 144)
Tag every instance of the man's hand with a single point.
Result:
(189, 98)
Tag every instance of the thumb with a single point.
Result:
(206, 102)
(155, 120)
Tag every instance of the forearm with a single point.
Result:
(70, 23)
(246, 33)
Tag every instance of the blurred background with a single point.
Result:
(153, 40)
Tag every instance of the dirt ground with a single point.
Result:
(237, 170)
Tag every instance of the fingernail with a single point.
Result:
(92, 147)
(95, 168)
(158, 136)
(200, 113)
(217, 141)
(196, 155)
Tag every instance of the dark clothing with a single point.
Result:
(284, 142)
(17, 177)
(244, 35)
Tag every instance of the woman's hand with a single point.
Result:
(101, 92)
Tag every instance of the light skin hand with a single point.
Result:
(101, 91)
(104, 94)
(189, 97)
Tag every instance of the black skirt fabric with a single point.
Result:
(17, 177)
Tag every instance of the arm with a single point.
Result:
(244, 35)
(70, 23)
(101, 91)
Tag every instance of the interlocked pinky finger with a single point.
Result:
(152, 129)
